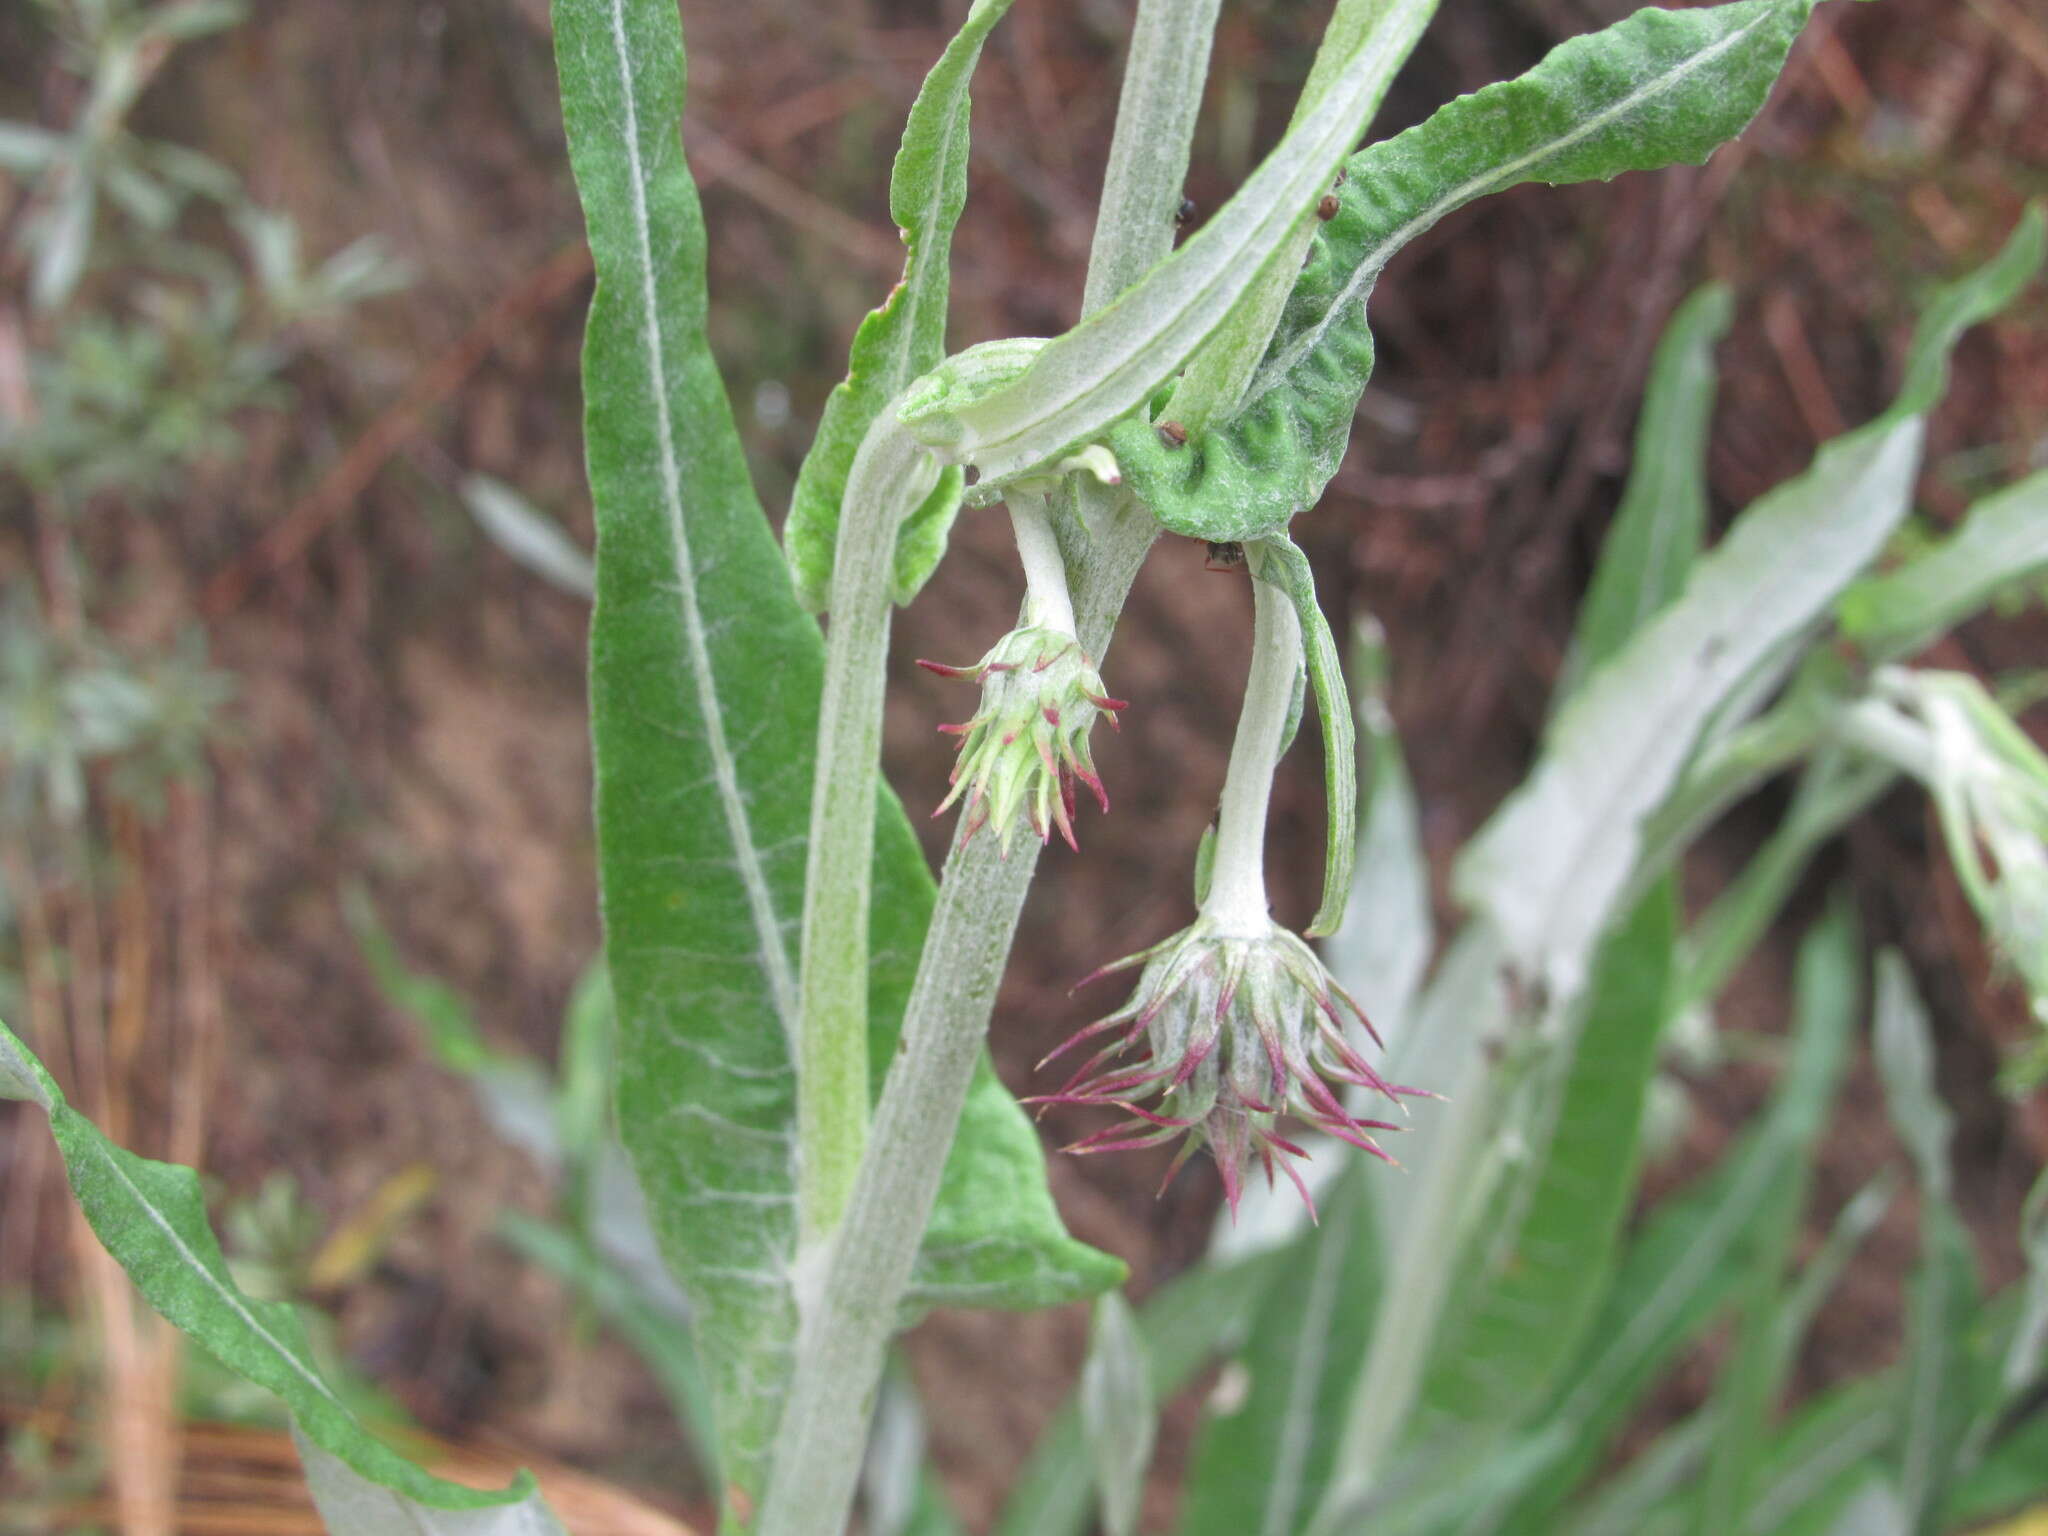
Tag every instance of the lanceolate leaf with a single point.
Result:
(1943, 1296)
(152, 1218)
(1387, 938)
(1662, 521)
(705, 680)
(1827, 992)
(1287, 567)
(1548, 867)
(1692, 1254)
(352, 1505)
(1261, 1464)
(1490, 1366)
(2002, 539)
(906, 336)
(1116, 1412)
(1659, 88)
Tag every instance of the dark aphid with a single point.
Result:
(1175, 434)
(1224, 557)
(1326, 210)
(1184, 213)
(1342, 175)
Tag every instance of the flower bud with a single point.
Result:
(1028, 743)
(1233, 1032)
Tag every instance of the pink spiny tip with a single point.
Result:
(1192, 1062)
(944, 670)
(1233, 1183)
(1104, 702)
(1301, 1189)
(1095, 784)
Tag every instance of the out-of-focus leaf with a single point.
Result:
(1827, 989)
(1186, 1324)
(1691, 1256)
(1662, 521)
(1117, 1413)
(26, 149)
(2002, 539)
(906, 336)
(152, 1218)
(1384, 944)
(528, 535)
(2013, 1475)
(1874, 1509)
(1943, 1299)
(1259, 1466)
(1549, 865)
(350, 1504)
(62, 237)
(1489, 1365)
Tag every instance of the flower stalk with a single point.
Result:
(1040, 695)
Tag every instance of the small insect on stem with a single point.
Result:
(1326, 210)
(1224, 557)
(1175, 434)
(1184, 214)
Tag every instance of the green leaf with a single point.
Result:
(1187, 1323)
(1942, 1302)
(1659, 88)
(1550, 864)
(1260, 1466)
(1827, 988)
(527, 534)
(906, 337)
(1820, 1455)
(1384, 944)
(1661, 525)
(350, 1504)
(1216, 378)
(1489, 1366)
(1116, 1413)
(2014, 1474)
(705, 680)
(1114, 361)
(152, 1218)
(1287, 568)
(1693, 1252)
(2002, 539)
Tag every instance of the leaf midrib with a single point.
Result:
(1368, 270)
(724, 771)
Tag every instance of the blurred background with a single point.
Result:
(294, 828)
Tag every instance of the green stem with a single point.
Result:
(849, 1304)
(890, 477)
(1148, 155)
(1236, 904)
(1047, 603)
(849, 1293)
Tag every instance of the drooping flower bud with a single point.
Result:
(1028, 743)
(1233, 1032)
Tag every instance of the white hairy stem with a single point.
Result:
(1237, 905)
